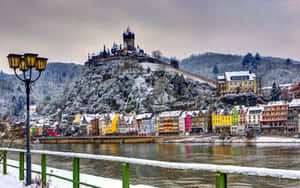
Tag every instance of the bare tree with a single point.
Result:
(9, 135)
(157, 54)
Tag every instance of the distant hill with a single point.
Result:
(50, 85)
(269, 68)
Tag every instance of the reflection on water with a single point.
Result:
(283, 156)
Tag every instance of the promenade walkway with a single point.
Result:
(11, 180)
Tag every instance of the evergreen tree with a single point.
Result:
(257, 57)
(216, 69)
(248, 59)
(275, 92)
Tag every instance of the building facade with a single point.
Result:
(242, 119)
(168, 122)
(236, 82)
(274, 117)
(221, 122)
(254, 117)
(293, 116)
(188, 123)
(235, 120)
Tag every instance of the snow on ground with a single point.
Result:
(269, 139)
(12, 178)
(154, 67)
(259, 139)
(10, 181)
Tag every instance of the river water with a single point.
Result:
(284, 156)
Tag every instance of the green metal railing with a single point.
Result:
(220, 170)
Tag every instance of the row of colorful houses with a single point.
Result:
(274, 117)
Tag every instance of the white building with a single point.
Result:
(254, 116)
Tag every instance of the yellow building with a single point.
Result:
(111, 121)
(77, 118)
(221, 122)
(237, 82)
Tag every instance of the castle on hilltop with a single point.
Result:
(128, 49)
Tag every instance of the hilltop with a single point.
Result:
(269, 68)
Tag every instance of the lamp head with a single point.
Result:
(23, 67)
(30, 59)
(14, 60)
(41, 63)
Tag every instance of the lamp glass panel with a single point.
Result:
(23, 67)
(30, 59)
(14, 60)
(41, 63)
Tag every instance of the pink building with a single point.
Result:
(188, 123)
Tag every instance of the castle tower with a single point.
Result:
(128, 40)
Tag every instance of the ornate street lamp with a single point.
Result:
(26, 63)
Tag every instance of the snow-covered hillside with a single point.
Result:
(49, 86)
(126, 85)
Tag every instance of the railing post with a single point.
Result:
(4, 162)
(76, 178)
(125, 175)
(21, 166)
(44, 169)
(221, 180)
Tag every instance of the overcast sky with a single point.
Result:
(67, 30)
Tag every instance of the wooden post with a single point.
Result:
(126, 175)
(221, 180)
(4, 162)
(76, 178)
(44, 170)
(21, 166)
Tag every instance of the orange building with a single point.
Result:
(168, 122)
(274, 117)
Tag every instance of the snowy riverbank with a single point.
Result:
(217, 139)
(12, 178)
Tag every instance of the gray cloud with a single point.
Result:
(67, 30)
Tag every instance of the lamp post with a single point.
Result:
(26, 63)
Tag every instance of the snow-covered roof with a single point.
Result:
(109, 115)
(191, 113)
(219, 111)
(288, 86)
(229, 75)
(276, 103)
(170, 113)
(128, 118)
(294, 103)
(220, 77)
(89, 117)
(144, 116)
(183, 114)
(254, 108)
(194, 113)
